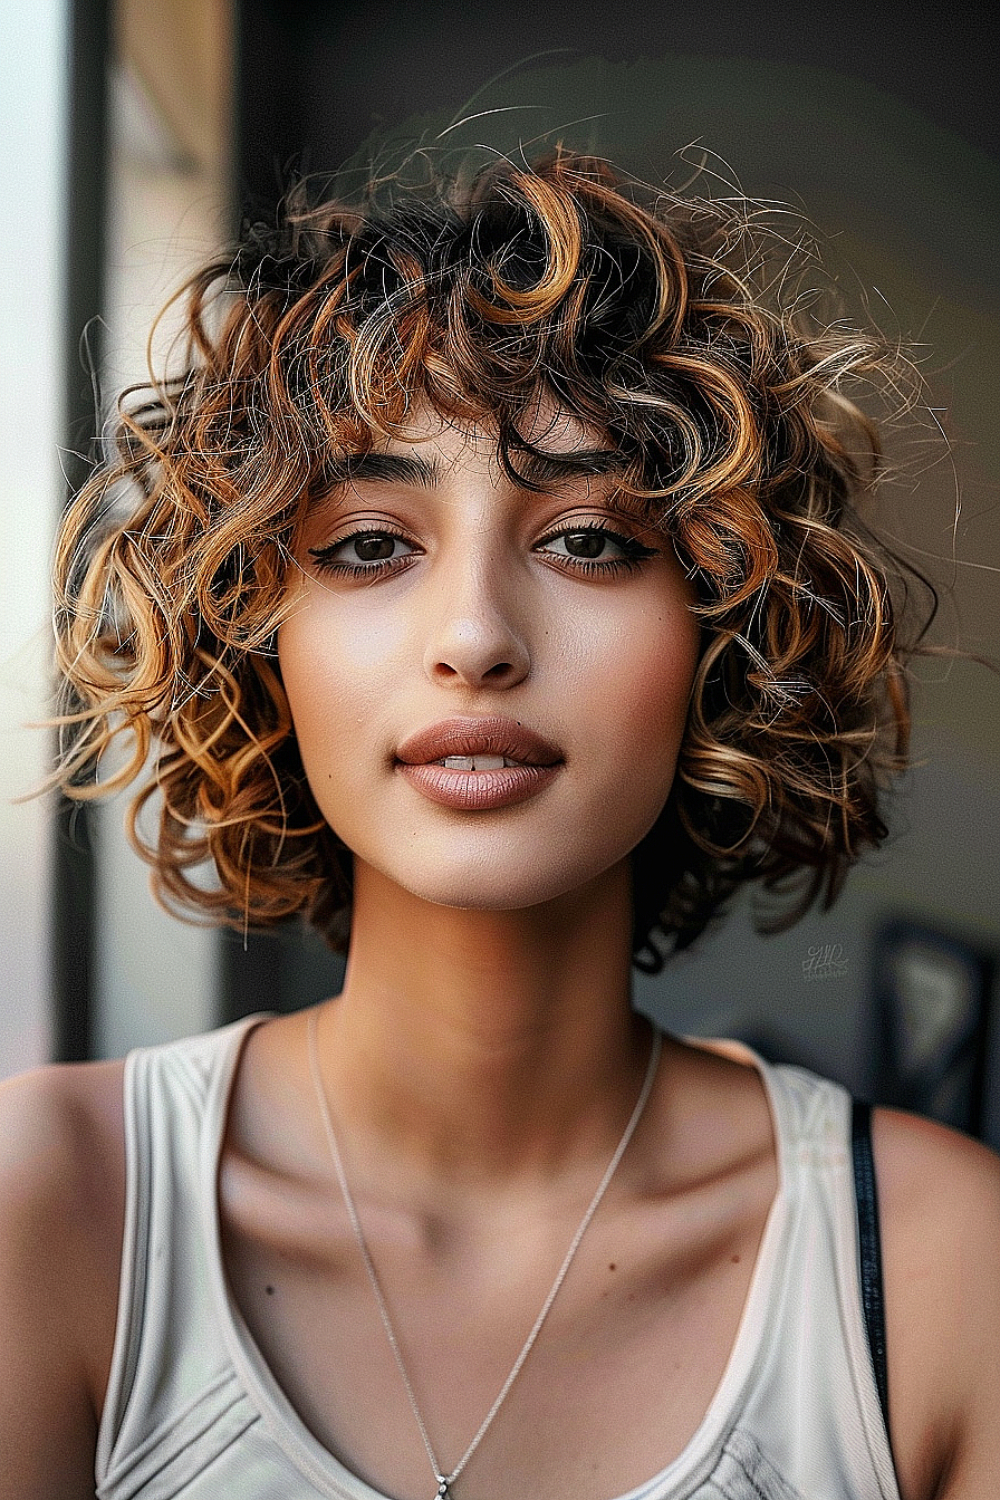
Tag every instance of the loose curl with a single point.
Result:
(637, 313)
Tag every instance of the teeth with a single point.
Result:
(475, 762)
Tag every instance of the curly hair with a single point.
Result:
(657, 320)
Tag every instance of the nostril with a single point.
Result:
(475, 670)
(478, 654)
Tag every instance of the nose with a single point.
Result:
(476, 640)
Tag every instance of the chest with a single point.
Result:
(615, 1385)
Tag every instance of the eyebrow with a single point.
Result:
(535, 468)
(392, 468)
(539, 469)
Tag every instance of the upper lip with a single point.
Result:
(482, 736)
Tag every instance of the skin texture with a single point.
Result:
(481, 1063)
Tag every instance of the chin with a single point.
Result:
(500, 879)
(491, 893)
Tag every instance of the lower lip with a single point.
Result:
(477, 791)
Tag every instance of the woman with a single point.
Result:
(487, 587)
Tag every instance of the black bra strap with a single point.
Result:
(869, 1248)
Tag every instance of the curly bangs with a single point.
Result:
(650, 318)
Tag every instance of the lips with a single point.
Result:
(530, 763)
(469, 736)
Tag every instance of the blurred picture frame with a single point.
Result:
(932, 993)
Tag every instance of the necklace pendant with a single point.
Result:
(443, 1492)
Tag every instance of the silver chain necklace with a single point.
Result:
(445, 1481)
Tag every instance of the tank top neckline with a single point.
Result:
(325, 1470)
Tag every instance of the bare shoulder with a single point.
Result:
(62, 1149)
(50, 1106)
(939, 1200)
(62, 1200)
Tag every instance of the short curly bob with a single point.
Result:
(660, 321)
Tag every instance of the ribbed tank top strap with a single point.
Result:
(815, 1404)
(170, 1365)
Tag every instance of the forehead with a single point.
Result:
(549, 449)
(545, 425)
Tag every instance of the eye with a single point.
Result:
(595, 547)
(368, 552)
(588, 543)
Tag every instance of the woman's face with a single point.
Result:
(439, 610)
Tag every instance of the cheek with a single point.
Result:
(660, 680)
(638, 693)
(334, 682)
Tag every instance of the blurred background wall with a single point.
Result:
(34, 111)
(164, 121)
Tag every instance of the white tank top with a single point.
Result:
(193, 1410)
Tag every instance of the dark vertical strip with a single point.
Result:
(267, 136)
(73, 886)
(85, 228)
(270, 123)
(249, 966)
(870, 1250)
(982, 1044)
(73, 931)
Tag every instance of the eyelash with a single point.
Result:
(635, 553)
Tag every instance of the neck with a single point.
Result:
(483, 1044)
